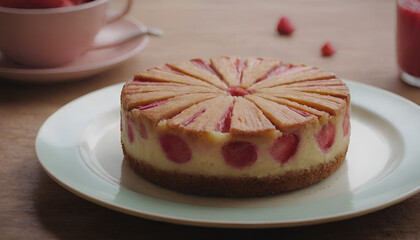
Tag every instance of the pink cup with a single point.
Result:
(51, 37)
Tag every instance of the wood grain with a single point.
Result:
(32, 206)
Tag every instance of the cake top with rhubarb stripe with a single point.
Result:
(235, 95)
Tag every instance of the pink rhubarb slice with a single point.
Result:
(166, 74)
(293, 75)
(198, 68)
(133, 99)
(295, 105)
(174, 106)
(321, 102)
(280, 115)
(229, 68)
(247, 118)
(207, 119)
(257, 68)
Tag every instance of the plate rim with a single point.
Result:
(152, 215)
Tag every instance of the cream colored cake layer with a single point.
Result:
(207, 158)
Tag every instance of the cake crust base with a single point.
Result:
(238, 186)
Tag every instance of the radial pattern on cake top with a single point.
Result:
(234, 95)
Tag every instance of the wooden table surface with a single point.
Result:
(32, 206)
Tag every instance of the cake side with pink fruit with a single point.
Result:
(235, 127)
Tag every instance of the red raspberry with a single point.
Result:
(176, 149)
(239, 154)
(346, 124)
(143, 131)
(285, 27)
(326, 137)
(284, 148)
(130, 128)
(327, 49)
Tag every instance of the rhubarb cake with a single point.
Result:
(232, 126)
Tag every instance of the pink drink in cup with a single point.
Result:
(408, 40)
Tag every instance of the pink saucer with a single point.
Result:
(91, 63)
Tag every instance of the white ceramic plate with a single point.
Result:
(93, 62)
(79, 147)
